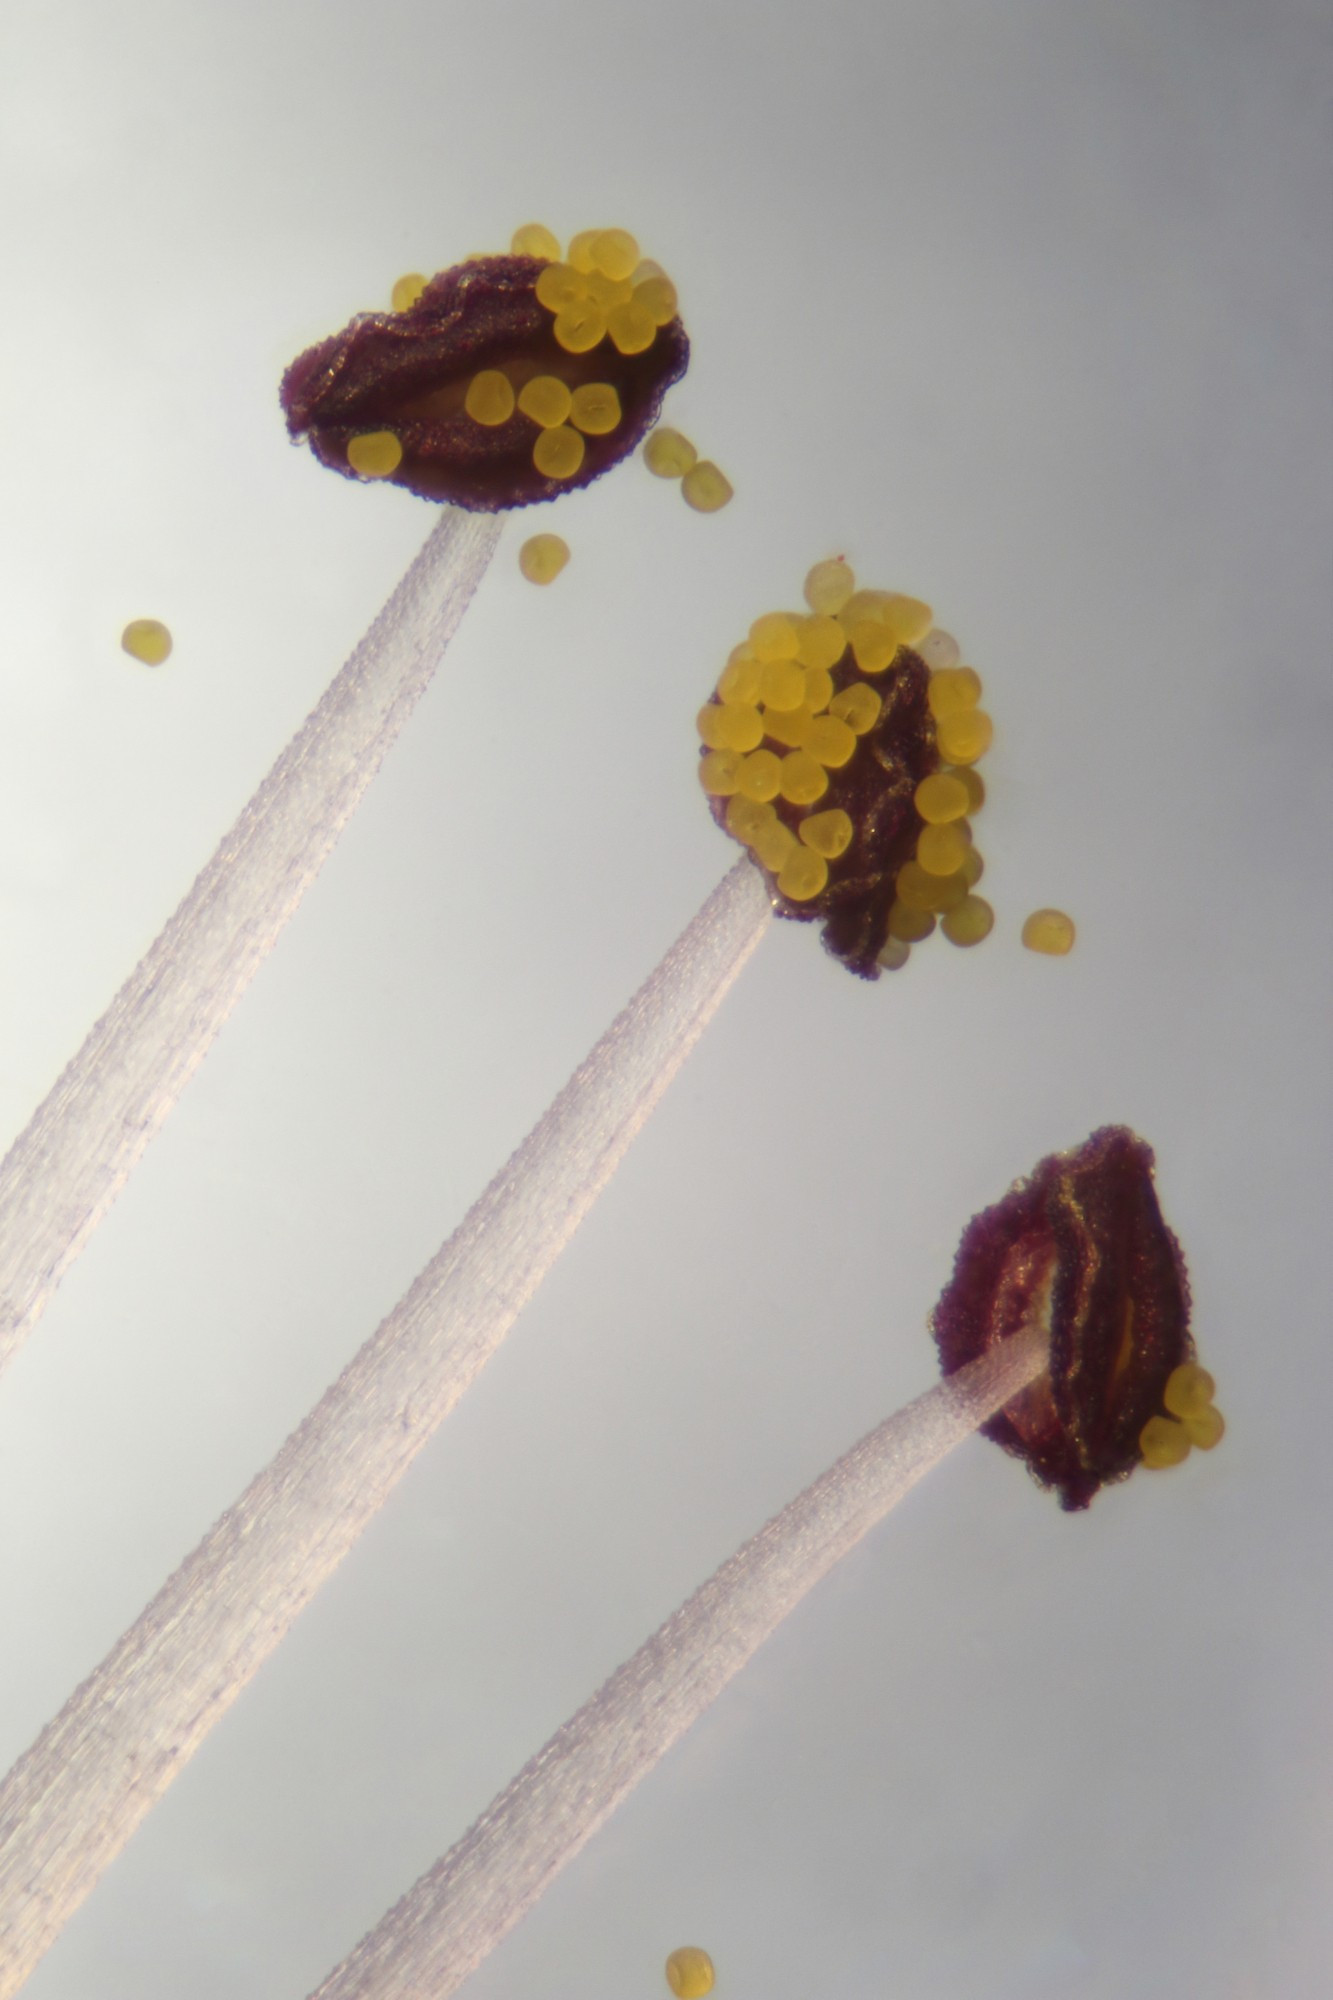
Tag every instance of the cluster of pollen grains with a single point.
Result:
(839, 747)
(1192, 1422)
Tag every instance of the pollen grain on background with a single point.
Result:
(148, 640)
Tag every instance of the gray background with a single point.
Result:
(1023, 308)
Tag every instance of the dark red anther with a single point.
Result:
(408, 372)
(1081, 1244)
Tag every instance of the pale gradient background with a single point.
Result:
(1023, 307)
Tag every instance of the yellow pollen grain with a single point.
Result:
(803, 874)
(705, 488)
(759, 775)
(1163, 1442)
(940, 799)
(858, 706)
(1205, 1428)
(964, 737)
(863, 604)
(631, 326)
(712, 727)
(542, 557)
(742, 727)
(974, 867)
(534, 239)
(917, 890)
(1188, 1388)
(146, 639)
(951, 690)
(407, 290)
(828, 586)
(747, 818)
(720, 773)
(614, 252)
(969, 922)
(773, 843)
(558, 453)
(560, 286)
(595, 408)
(874, 645)
(820, 641)
(657, 296)
(832, 741)
(782, 684)
(829, 833)
(375, 454)
(546, 399)
(803, 778)
(907, 617)
(774, 637)
(668, 454)
(976, 787)
(1049, 931)
(941, 850)
(741, 678)
(818, 689)
(579, 326)
(579, 253)
(910, 925)
(789, 727)
(490, 398)
(647, 267)
(608, 292)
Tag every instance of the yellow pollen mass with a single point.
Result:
(803, 874)
(969, 922)
(1188, 1388)
(773, 843)
(407, 290)
(595, 408)
(614, 252)
(741, 678)
(940, 799)
(789, 727)
(632, 327)
(803, 779)
(831, 740)
(1051, 932)
(858, 706)
(559, 286)
(490, 398)
(759, 774)
(747, 818)
(668, 454)
(705, 488)
(874, 645)
(774, 637)
(534, 239)
(964, 737)
(558, 453)
(941, 850)
(820, 641)
(720, 772)
(1163, 1442)
(375, 454)
(829, 833)
(146, 639)
(782, 684)
(579, 326)
(828, 586)
(580, 250)
(546, 399)
(542, 557)
(1204, 1428)
(658, 298)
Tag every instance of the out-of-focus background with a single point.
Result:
(1025, 310)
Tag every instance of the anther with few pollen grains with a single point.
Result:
(1081, 1245)
(502, 381)
(822, 754)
